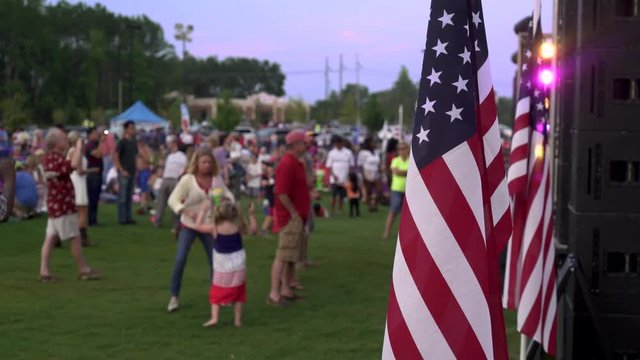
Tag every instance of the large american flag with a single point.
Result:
(530, 280)
(445, 295)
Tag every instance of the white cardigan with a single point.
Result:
(188, 196)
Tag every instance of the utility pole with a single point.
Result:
(358, 121)
(327, 81)
(341, 73)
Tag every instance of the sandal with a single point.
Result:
(46, 278)
(90, 274)
(294, 297)
(280, 303)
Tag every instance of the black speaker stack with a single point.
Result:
(598, 175)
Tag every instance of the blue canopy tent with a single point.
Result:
(141, 115)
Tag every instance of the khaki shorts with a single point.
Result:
(290, 241)
(65, 227)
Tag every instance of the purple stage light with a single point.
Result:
(546, 77)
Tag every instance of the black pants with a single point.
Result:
(94, 187)
(354, 205)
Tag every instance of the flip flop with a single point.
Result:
(281, 303)
(294, 297)
(46, 278)
(91, 274)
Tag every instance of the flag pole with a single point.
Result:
(524, 342)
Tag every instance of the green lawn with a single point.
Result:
(124, 317)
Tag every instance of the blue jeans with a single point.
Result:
(125, 196)
(186, 237)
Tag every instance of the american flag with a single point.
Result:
(445, 295)
(530, 280)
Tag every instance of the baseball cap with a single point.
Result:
(295, 136)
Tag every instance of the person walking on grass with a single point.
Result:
(174, 167)
(229, 258)
(339, 162)
(79, 180)
(292, 206)
(202, 184)
(95, 167)
(63, 218)
(399, 167)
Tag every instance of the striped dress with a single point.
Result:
(229, 271)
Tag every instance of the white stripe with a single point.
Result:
(387, 352)
(517, 170)
(500, 202)
(449, 258)
(521, 137)
(531, 291)
(507, 275)
(523, 106)
(464, 168)
(424, 329)
(485, 82)
(549, 266)
(492, 143)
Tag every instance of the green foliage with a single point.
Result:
(505, 111)
(373, 115)
(404, 92)
(296, 110)
(342, 107)
(73, 56)
(229, 115)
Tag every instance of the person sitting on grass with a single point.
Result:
(229, 259)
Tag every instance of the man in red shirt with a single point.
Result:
(63, 219)
(292, 205)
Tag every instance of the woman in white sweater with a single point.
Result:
(201, 183)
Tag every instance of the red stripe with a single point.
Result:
(495, 173)
(502, 228)
(513, 264)
(521, 122)
(533, 319)
(459, 217)
(435, 291)
(488, 113)
(400, 337)
(520, 153)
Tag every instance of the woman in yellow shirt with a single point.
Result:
(399, 167)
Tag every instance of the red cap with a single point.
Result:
(295, 136)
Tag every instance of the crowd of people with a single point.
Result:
(203, 181)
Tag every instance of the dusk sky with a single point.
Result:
(300, 34)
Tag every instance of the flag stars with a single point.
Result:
(477, 47)
(476, 18)
(467, 28)
(460, 84)
(454, 114)
(434, 77)
(429, 106)
(440, 48)
(536, 93)
(446, 19)
(423, 135)
(528, 54)
(466, 56)
(539, 106)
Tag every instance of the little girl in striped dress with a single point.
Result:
(229, 260)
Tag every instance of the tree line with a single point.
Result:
(63, 63)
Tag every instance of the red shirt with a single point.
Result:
(61, 198)
(291, 179)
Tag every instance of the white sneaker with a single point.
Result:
(173, 305)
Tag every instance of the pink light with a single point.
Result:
(546, 77)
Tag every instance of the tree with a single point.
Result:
(373, 115)
(228, 116)
(505, 111)
(404, 92)
(296, 110)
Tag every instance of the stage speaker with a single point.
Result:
(597, 168)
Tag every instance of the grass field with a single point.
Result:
(123, 316)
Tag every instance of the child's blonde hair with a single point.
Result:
(226, 211)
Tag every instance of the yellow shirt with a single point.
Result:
(399, 183)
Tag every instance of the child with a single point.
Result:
(353, 194)
(229, 269)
